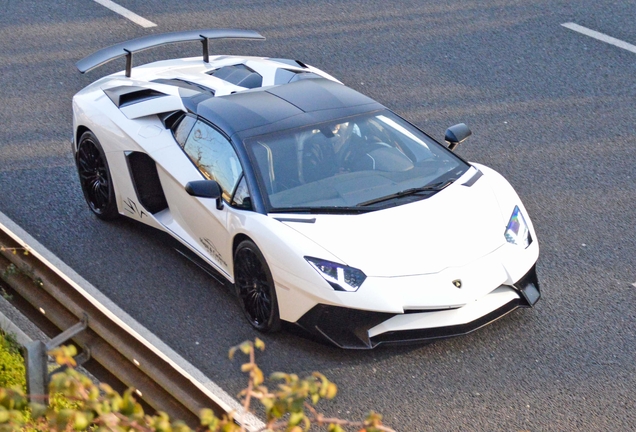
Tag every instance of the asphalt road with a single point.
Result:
(550, 109)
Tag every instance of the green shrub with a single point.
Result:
(12, 371)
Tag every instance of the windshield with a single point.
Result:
(355, 164)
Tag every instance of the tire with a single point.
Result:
(255, 288)
(95, 178)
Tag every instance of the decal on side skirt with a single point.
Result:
(131, 207)
(212, 250)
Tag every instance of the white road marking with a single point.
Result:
(601, 36)
(126, 13)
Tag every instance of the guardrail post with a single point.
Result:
(35, 362)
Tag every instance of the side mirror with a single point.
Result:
(456, 134)
(205, 189)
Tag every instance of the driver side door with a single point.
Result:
(214, 157)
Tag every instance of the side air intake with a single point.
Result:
(143, 170)
(128, 95)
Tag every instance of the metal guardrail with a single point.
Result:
(117, 347)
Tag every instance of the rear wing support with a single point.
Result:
(135, 45)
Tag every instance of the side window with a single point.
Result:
(183, 128)
(242, 198)
(213, 154)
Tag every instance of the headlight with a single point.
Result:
(340, 277)
(517, 231)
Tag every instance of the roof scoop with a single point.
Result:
(239, 75)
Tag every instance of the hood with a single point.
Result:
(450, 229)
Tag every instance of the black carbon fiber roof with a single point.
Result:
(293, 104)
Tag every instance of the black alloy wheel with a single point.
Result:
(255, 287)
(95, 178)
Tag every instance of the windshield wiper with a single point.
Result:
(320, 210)
(431, 188)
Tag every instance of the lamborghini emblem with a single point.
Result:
(457, 283)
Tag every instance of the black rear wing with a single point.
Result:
(135, 45)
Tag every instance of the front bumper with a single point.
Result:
(358, 329)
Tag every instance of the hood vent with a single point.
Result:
(471, 181)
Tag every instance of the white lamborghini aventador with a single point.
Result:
(322, 207)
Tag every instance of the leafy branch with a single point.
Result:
(290, 406)
(14, 250)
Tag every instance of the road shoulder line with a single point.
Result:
(600, 36)
(139, 20)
